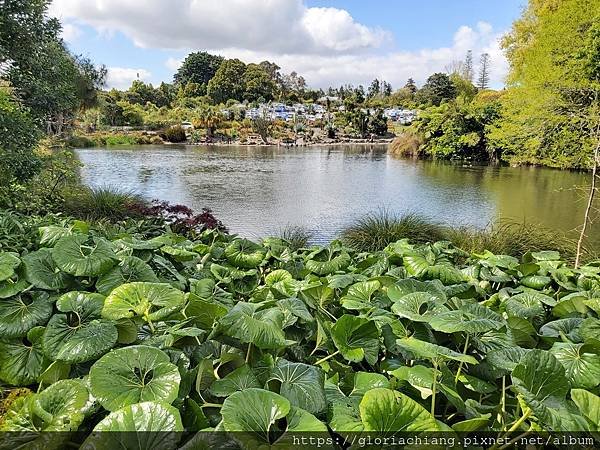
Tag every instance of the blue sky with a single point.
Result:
(326, 41)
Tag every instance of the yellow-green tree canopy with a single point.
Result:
(551, 109)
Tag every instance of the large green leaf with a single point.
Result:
(134, 374)
(359, 295)
(418, 307)
(387, 411)
(254, 411)
(301, 384)
(240, 379)
(540, 379)
(581, 368)
(244, 254)
(8, 263)
(204, 313)
(152, 301)
(410, 285)
(80, 334)
(251, 324)
(428, 350)
(146, 425)
(22, 361)
(60, 407)
(21, 313)
(83, 256)
(356, 338)
(470, 318)
(326, 261)
(130, 269)
(42, 271)
(589, 406)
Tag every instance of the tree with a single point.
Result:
(258, 84)
(207, 117)
(386, 90)
(469, 71)
(18, 139)
(378, 123)
(374, 89)
(551, 108)
(411, 86)
(437, 89)
(51, 82)
(483, 79)
(198, 67)
(228, 81)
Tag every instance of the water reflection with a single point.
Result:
(257, 191)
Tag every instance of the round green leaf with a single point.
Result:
(244, 254)
(385, 410)
(83, 256)
(79, 335)
(41, 271)
(22, 360)
(130, 269)
(134, 374)
(153, 301)
(21, 313)
(61, 406)
(581, 368)
(253, 410)
(146, 425)
(301, 384)
(356, 338)
(8, 263)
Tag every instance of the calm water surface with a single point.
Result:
(258, 191)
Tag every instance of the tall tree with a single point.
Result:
(469, 71)
(228, 81)
(411, 86)
(258, 84)
(198, 67)
(437, 89)
(374, 89)
(483, 79)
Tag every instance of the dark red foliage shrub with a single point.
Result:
(181, 218)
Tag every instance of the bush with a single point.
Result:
(512, 238)
(175, 134)
(407, 144)
(376, 231)
(297, 237)
(102, 203)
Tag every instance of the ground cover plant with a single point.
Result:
(116, 332)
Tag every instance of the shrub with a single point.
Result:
(376, 231)
(512, 238)
(296, 236)
(102, 203)
(407, 144)
(175, 134)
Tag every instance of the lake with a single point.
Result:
(257, 191)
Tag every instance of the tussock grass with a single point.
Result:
(106, 202)
(296, 236)
(508, 237)
(376, 231)
(407, 144)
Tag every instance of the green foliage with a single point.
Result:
(18, 139)
(227, 82)
(99, 203)
(175, 134)
(270, 340)
(258, 85)
(457, 129)
(438, 88)
(551, 109)
(199, 68)
(376, 231)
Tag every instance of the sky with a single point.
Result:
(328, 42)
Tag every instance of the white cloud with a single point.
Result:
(325, 45)
(70, 32)
(281, 26)
(122, 77)
(395, 67)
